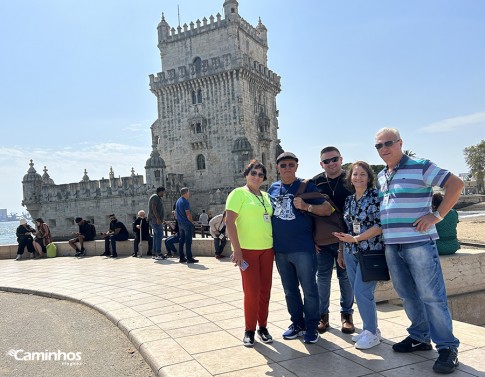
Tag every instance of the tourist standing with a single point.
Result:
(332, 183)
(248, 223)
(186, 226)
(408, 225)
(294, 247)
(155, 218)
(362, 217)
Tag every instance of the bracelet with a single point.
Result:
(355, 239)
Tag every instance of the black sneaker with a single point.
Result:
(78, 254)
(447, 361)
(134, 255)
(192, 260)
(263, 334)
(114, 256)
(182, 260)
(410, 345)
(83, 252)
(248, 339)
(169, 255)
(105, 254)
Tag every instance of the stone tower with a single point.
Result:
(216, 101)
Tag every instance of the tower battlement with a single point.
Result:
(211, 67)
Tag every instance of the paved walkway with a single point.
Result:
(188, 320)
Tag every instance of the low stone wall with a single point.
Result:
(200, 247)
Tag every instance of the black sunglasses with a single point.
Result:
(255, 173)
(290, 165)
(329, 160)
(386, 144)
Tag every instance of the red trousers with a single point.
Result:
(256, 282)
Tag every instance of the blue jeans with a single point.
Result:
(416, 274)
(169, 243)
(297, 269)
(364, 293)
(157, 236)
(219, 245)
(112, 240)
(185, 237)
(326, 259)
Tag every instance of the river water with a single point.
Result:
(7, 228)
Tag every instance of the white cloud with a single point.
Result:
(457, 123)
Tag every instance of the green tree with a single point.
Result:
(475, 159)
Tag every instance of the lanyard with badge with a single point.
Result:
(389, 176)
(355, 221)
(266, 216)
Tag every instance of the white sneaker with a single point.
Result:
(19, 257)
(367, 340)
(356, 338)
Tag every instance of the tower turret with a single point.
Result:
(230, 10)
(32, 190)
(155, 169)
(163, 30)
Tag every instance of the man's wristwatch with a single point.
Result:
(310, 208)
(437, 215)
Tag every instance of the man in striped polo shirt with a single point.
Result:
(408, 225)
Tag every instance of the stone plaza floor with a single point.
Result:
(187, 320)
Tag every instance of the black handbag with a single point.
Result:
(373, 265)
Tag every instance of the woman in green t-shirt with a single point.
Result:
(248, 224)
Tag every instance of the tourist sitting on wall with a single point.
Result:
(173, 239)
(448, 242)
(218, 231)
(141, 226)
(87, 232)
(42, 237)
(24, 238)
(117, 232)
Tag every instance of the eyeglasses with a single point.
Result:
(329, 160)
(290, 165)
(386, 144)
(254, 173)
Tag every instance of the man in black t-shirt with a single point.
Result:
(85, 233)
(331, 183)
(117, 232)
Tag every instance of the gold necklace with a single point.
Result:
(335, 187)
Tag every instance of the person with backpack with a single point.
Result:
(87, 232)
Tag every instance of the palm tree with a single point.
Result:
(409, 153)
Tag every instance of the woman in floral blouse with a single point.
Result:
(361, 214)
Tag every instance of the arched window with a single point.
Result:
(199, 96)
(200, 162)
(198, 64)
(198, 128)
(194, 97)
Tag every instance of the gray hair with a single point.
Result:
(385, 130)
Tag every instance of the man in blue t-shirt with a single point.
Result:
(294, 247)
(409, 232)
(186, 226)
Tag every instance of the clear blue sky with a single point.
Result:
(74, 89)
